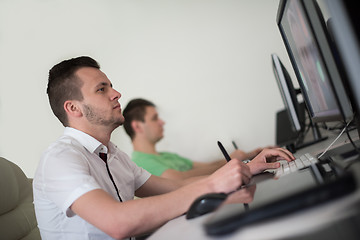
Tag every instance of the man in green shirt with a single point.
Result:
(145, 128)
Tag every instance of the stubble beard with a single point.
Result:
(95, 117)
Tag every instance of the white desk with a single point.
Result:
(288, 226)
(292, 225)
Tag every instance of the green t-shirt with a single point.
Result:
(157, 164)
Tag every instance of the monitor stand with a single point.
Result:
(304, 141)
(316, 137)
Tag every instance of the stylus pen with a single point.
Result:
(234, 144)
(227, 157)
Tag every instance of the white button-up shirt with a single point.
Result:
(71, 167)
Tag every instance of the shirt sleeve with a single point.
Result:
(140, 174)
(66, 177)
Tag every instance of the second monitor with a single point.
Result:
(291, 126)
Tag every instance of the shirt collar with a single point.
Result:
(89, 142)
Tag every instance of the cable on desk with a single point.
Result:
(322, 154)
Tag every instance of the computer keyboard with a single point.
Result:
(303, 161)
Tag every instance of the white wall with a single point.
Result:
(205, 63)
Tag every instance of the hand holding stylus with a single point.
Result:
(227, 157)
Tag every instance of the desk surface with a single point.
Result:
(288, 226)
(291, 225)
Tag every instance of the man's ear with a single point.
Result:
(72, 108)
(136, 126)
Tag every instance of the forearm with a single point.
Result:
(166, 207)
(208, 167)
(134, 217)
(168, 184)
(158, 185)
(198, 171)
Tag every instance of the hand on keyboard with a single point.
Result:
(268, 158)
(299, 163)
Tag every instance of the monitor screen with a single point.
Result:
(306, 40)
(287, 91)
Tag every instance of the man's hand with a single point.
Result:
(244, 195)
(231, 176)
(268, 158)
(242, 155)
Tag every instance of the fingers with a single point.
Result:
(274, 146)
(267, 159)
(242, 172)
(257, 151)
(244, 195)
(273, 165)
(287, 153)
(279, 153)
(245, 174)
(231, 176)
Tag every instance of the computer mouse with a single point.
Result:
(204, 204)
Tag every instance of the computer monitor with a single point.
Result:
(288, 92)
(306, 39)
(345, 19)
(295, 111)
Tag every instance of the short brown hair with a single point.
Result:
(135, 111)
(64, 85)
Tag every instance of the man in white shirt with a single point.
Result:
(80, 194)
